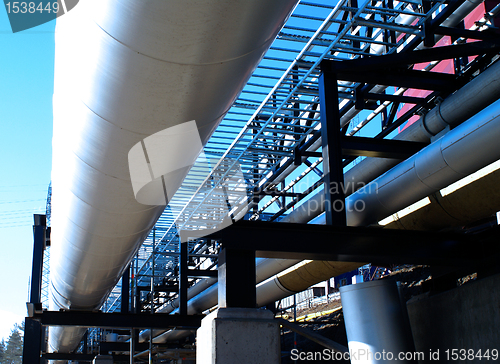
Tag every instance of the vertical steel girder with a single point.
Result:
(237, 278)
(332, 150)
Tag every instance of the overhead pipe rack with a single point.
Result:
(285, 116)
(275, 123)
(287, 121)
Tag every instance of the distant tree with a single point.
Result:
(2, 350)
(13, 350)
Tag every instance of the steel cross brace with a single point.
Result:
(392, 69)
(395, 61)
(64, 356)
(367, 147)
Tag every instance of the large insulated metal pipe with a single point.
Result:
(472, 201)
(375, 326)
(300, 277)
(264, 269)
(295, 279)
(125, 70)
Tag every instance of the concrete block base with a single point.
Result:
(238, 335)
(103, 359)
(465, 318)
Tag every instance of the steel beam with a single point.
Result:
(368, 147)
(105, 347)
(160, 288)
(394, 98)
(381, 148)
(65, 356)
(117, 320)
(359, 244)
(183, 278)
(400, 77)
(375, 63)
(202, 273)
(125, 297)
(490, 35)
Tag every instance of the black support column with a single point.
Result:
(237, 278)
(33, 329)
(39, 238)
(32, 341)
(125, 299)
(183, 278)
(331, 150)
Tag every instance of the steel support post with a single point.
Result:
(332, 150)
(183, 278)
(85, 342)
(39, 238)
(237, 278)
(132, 345)
(32, 341)
(125, 291)
(33, 329)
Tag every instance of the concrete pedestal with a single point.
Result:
(238, 335)
(103, 359)
(462, 320)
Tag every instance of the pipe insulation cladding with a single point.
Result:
(125, 70)
(265, 268)
(376, 332)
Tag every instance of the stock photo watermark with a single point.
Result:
(364, 355)
(312, 205)
(29, 14)
(158, 165)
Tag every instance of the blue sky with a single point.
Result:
(26, 87)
